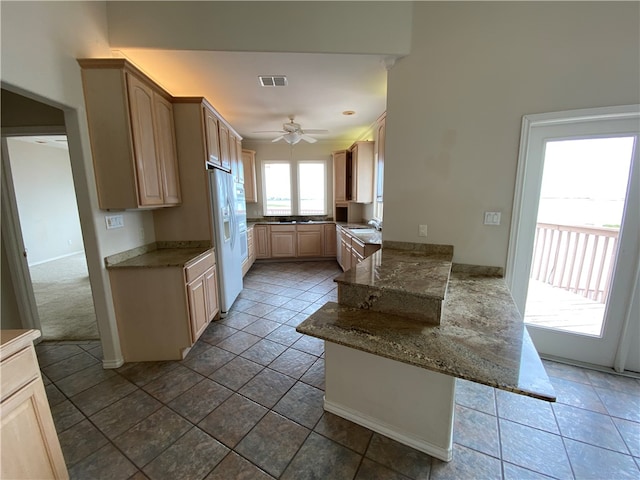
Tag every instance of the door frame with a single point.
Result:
(525, 205)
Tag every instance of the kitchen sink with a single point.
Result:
(362, 230)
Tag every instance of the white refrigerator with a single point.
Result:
(226, 226)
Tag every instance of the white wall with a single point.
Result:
(455, 104)
(46, 200)
(312, 27)
(40, 44)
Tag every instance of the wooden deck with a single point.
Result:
(553, 307)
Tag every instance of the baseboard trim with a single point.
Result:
(388, 431)
(56, 258)
(110, 364)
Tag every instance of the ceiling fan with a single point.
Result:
(292, 133)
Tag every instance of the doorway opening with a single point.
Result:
(40, 173)
(580, 211)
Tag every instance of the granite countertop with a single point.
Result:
(169, 254)
(402, 270)
(481, 336)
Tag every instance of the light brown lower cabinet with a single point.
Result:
(283, 241)
(262, 241)
(251, 252)
(162, 311)
(329, 246)
(351, 250)
(310, 240)
(30, 445)
(203, 302)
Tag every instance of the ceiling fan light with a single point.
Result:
(292, 138)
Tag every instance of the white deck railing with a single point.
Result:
(577, 259)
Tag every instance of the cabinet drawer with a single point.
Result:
(199, 266)
(358, 246)
(310, 228)
(18, 370)
(283, 228)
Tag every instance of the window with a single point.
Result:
(277, 188)
(311, 191)
(302, 194)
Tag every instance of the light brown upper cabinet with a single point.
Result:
(239, 160)
(132, 135)
(341, 177)
(225, 154)
(211, 133)
(249, 173)
(362, 164)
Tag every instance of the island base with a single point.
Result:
(411, 405)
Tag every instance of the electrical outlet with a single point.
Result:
(141, 234)
(422, 230)
(114, 221)
(492, 218)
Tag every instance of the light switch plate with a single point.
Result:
(422, 230)
(492, 218)
(114, 221)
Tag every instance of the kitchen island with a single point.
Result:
(394, 371)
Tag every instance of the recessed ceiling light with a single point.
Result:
(348, 112)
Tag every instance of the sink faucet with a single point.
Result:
(375, 224)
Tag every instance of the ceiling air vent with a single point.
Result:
(273, 80)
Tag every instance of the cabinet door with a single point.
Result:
(239, 160)
(310, 240)
(329, 232)
(30, 446)
(261, 240)
(148, 174)
(233, 158)
(345, 246)
(211, 132)
(338, 244)
(211, 288)
(249, 173)
(166, 149)
(340, 176)
(362, 172)
(283, 241)
(225, 154)
(197, 294)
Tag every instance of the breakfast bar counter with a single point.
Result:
(395, 372)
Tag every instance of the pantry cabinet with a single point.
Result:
(30, 445)
(249, 172)
(132, 136)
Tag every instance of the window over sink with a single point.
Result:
(302, 193)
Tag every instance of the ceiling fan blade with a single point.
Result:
(315, 130)
(269, 131)
(307, 138)
(277, 139)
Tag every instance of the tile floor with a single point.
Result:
(247, 404)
